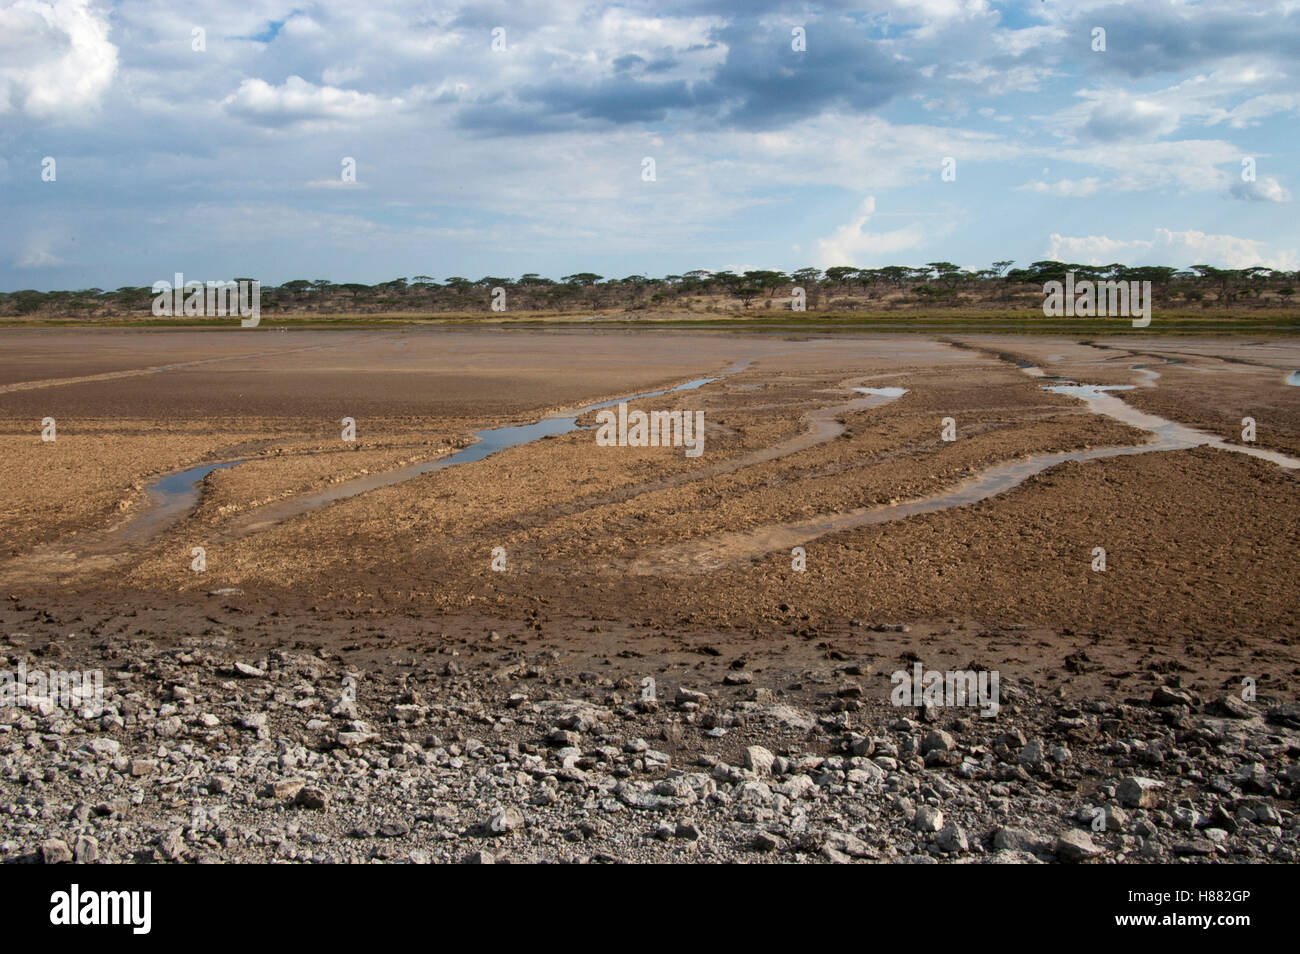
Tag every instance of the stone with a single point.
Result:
(791, 717)
(505, 820)
(952, 839)
(1011, 857)
(764, 841)
(171, 847)
(937, 739)
(1113, 818)
(55, 851)
(759, 760)
(1076, 845)
(1233, 707)
(1018, 839)
(863, 747)
(687, 830)
(286, 788)
(86, 850)
(927, 818)
(851, 845)
(312, 798)
(1032, 754)
(1135, 791)
(1165, 696)
(104, 748)
(690, 696)
(393, 828)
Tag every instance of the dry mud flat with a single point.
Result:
(623, 564)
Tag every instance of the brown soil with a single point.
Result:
(1200, 544)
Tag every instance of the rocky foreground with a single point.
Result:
(203, 756)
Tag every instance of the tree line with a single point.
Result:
(835, 288)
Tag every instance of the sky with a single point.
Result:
(497, 138)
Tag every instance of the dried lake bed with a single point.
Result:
(939, 484)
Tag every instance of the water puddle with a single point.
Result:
(1085, 392)
(489, 442)
(496, 439)
(1149, 377)
(177, 486)
(883, 392)
(176, 494)
(170, 497)
(1178, 436)
(1293, 379)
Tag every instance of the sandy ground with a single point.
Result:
(1201, 544)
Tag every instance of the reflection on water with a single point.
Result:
(1086, 392)
(497, 439)
(187, 481)
(1149, 377)
(172, 496)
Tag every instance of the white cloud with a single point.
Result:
(1265, 189)
(55, 57)
(1118, 116)
(850, 245)
(410, 89)
(1186, 164)
(1256, 108)
(336, 183)
(38, 255)
(1016, 42)
(995, 81)
(1170, 248)
(299, 101)
(1070, 188)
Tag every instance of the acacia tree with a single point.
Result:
(766, 279)
(945, 272)
(582, 279)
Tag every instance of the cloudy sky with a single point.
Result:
(501, 138)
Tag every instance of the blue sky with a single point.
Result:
(226, 161)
